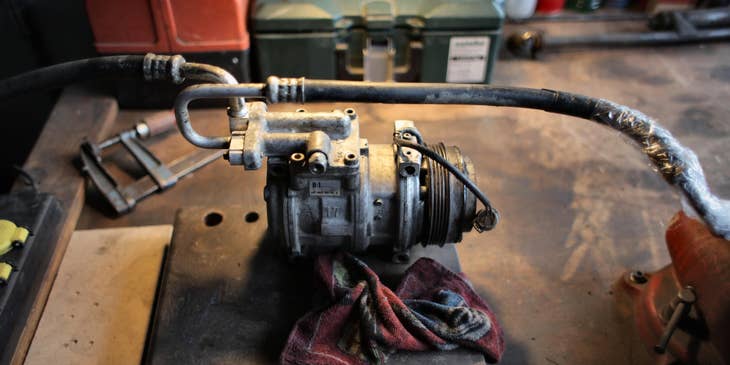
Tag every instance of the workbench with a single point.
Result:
(580, 204)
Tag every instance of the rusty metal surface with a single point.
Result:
(579, 205)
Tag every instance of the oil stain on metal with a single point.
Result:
(621, 69)
(698, 120)
(721, 73)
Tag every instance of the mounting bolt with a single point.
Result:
(686, 298)
(638, 277)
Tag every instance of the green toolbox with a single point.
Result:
(376, 40)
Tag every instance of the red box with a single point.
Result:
(168, 26)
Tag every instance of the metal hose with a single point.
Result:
(208, 91)
(71, 72)
(677, 164)
(204, 72)
(150, 67)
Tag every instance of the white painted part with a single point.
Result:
(99, 308)
(520, 9)
(468, 58)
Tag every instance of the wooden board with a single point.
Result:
(99, 309)
(78, 113)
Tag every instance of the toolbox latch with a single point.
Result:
(378, 14)
(378, 58)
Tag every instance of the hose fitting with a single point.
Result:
(285, 90)
(161, 67)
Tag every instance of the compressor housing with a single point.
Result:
(329, 189)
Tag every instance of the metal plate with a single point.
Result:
(226, 297)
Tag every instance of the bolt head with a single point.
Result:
(687, 295)
(638, 277)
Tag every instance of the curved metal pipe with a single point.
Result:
(208, 91)
(209, 73)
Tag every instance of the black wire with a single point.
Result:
(486, 219)
(414, 132)
(29, 179)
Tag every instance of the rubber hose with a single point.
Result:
(71, 72)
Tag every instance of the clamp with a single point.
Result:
(159, 176)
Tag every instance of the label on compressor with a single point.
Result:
(324, 188)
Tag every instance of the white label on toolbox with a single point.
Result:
(324, 188)
(467, 59)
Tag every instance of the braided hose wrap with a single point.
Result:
(677, 164)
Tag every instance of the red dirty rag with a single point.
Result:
(432, 309)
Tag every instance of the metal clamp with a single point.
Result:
(160, 177)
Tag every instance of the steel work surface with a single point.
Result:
(580, 205)
(226, 298)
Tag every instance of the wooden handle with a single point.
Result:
(160, 122)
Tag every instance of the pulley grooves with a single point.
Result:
(438, 205)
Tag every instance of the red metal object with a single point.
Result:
(127, 26)
(702, 260)
(699, 260)
(168, 26)
(550, 6)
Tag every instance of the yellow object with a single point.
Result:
(10, 235)
(5, 270)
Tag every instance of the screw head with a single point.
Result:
(638, 277)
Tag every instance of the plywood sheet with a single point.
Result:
(99, 308)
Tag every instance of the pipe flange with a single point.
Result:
(283, 90)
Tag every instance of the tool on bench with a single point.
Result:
(668, 28)
(159, 176)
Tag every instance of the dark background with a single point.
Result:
(35, 33)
